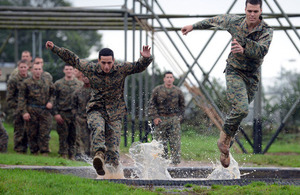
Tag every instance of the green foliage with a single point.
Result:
(80, 42)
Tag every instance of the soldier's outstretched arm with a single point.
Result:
(186, 29)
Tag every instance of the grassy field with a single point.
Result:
(195, 147)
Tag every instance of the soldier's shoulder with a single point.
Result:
(158, 87)
(59, 81)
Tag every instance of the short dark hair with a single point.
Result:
(106, 52)
(168, 72)
(22, 62)
(254, 2)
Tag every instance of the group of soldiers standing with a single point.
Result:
(34, 99)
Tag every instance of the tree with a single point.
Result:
(80, 42)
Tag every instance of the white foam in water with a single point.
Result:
(148, 160)
(231, 172)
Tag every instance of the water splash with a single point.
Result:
(148, 161)
(231, 172)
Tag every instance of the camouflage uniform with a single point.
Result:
(106, 107)
(20, 135)
(242, 70)
(168, 105)
(33, 97)
(83, 134)
(3, 137)
(63, 106)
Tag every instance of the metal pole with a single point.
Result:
(133, 81)
(33, 45)
(16, 48)
(126, 80)
(153, 62)
(40, 44)
(141, 109)
(257, 121)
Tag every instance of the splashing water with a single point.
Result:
(231, 172)
(148, 160)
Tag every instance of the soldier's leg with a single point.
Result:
(237, 96)
(3, 138)
(97, 125)
(32, 130)
(45, 122)
(81, 132)
(20, 135)
(72, 137)
(112, 142)
(161, 135)
(175, 140)
(62, 130)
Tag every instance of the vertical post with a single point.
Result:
(141, 108)
(126, 80)
(153, 66)
(133, 79)
(16, 48)
(146, 90)
(33, 45)
(257, 121)
(40, 44)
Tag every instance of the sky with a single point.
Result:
(282, 54)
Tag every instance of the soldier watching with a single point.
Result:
(35, 101)
(167, 110)
(13, 87)
(65, 120)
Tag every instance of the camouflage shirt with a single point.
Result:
(63, 94)
(255, 43)
(35, 93)
(79, 101)
(107, 88)
(13, 87)
(166, 102)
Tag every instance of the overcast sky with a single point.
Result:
(281, 54)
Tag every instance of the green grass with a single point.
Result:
(38, 182)
(195, 147)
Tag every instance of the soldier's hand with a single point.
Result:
(59, 119)
(49, 45)
(146, 51)
(157, 121)
(236, 47)
(49, 106)
(26, 116)
(186, 29)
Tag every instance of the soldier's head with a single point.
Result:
(78, 74)
(253, 11)
(38, 60)
(106, 59)
(69, 71)
(26, 55)
(168, 79)
(37, 70)
(85, 80)
(23, 67)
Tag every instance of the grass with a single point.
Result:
(195, 146)
(37, 182)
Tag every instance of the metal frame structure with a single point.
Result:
(142, 20)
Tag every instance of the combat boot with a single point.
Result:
(224, 146)
(98, 163)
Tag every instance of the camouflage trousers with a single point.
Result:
(83, 136)
(240, 93)
(168, 131)
(106, 137)
(38, 129)
(67, 134)
(20, 135)
(3, 138)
